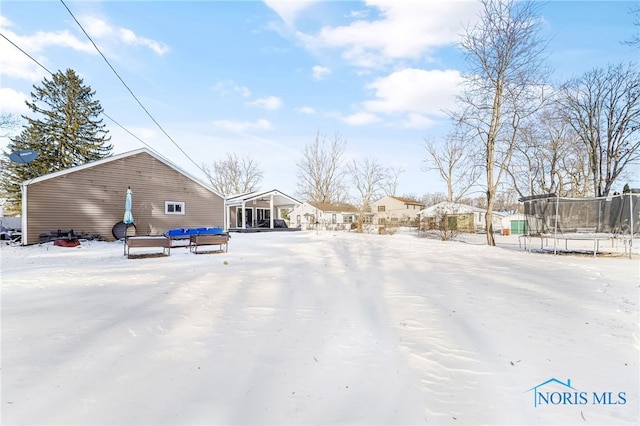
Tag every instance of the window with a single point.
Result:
(174, 207)
(380, 208)
(333, 218)
(348, 219)
(263, 215)
(298, 219)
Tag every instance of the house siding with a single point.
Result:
(395, 210)
(91, 200)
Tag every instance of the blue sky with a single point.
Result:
(262, 78)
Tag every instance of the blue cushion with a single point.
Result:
(177, 232)
(212, 231)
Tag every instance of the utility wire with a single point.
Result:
(129, 89)
(48, 71)
(29, 56)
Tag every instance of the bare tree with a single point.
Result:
(431, 199)
(234, 174)
(455, 162)
(603, 107)
(393, 176)
(368, 178)
(503, 86)
(8, 123)
(635, 39)
(321, 172)
(548, 157)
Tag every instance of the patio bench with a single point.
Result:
(146, 242)
(199, 240)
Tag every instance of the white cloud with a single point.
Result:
(320, 72)
(243, 126)
(5, 22)
(360, 119)
(129, 37)
(306, 110)
(43, 39)
(102, 30)
(228, 87)
(288, 10)
(14, 63)
(414, 121)
(12, 101)
(96, 27)
(414, 91)
(270, 103)
(404, 29)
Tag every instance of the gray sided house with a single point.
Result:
(90, 199)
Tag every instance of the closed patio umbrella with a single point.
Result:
(128, 216)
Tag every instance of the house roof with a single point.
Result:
(401, 199)
(279, 198)
(118, 157)
(334, 207)
(453, 208)
(408, 200)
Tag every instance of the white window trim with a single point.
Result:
(174, 203)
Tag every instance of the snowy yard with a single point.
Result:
(319, 328)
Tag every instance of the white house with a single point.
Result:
(390, 210)
(258, 209)
(325, 215)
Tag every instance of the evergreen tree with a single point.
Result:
(67, 131)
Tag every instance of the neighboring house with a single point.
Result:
(90, 198)
(328, 215)
(258, 210)
(461, 217)
(390, 210)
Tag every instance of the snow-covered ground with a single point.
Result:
(319, 328)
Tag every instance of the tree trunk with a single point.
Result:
(489, 218)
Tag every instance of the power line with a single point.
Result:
(129, 89)
(29, 56)
(50, 73)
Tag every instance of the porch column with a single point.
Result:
(227, 217)
(272, 213)
(244, 218)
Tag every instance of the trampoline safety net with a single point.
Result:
(617, 215)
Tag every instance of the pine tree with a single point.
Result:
(70, 125)
(66, 132)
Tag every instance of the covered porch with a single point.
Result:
(258, 211)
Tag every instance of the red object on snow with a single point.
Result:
(66, 243)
